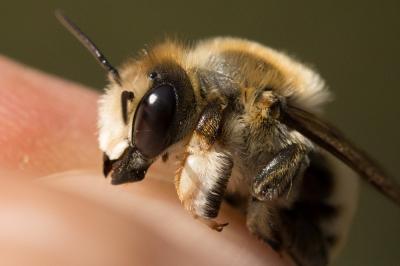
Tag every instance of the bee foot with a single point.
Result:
(213, 224)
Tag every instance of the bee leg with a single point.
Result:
(285, 225)
(303, 239)
(287, 230)
(206, 167)
(277, 177)
(262, 221)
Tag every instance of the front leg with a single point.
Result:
(206, 168)
(276, 178)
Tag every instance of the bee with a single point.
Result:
(243, 120)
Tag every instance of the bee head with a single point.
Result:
(147, 107)
(150, 108)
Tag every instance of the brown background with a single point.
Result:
(354, 44)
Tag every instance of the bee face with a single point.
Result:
(151, 108)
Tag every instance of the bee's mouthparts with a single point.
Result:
(130, 167)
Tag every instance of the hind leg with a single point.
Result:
(287, 230)
(262, 221)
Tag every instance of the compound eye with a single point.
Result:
(153, 118)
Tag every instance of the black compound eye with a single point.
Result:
(153, 118)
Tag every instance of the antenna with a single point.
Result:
(84, 39)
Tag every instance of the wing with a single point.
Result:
(329, 138)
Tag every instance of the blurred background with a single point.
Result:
(353, 44)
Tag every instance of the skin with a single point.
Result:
(57, 208)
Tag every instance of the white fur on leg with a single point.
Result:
(202, 180)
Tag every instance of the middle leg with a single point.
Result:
(277, 177)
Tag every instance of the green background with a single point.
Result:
(354, 45)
